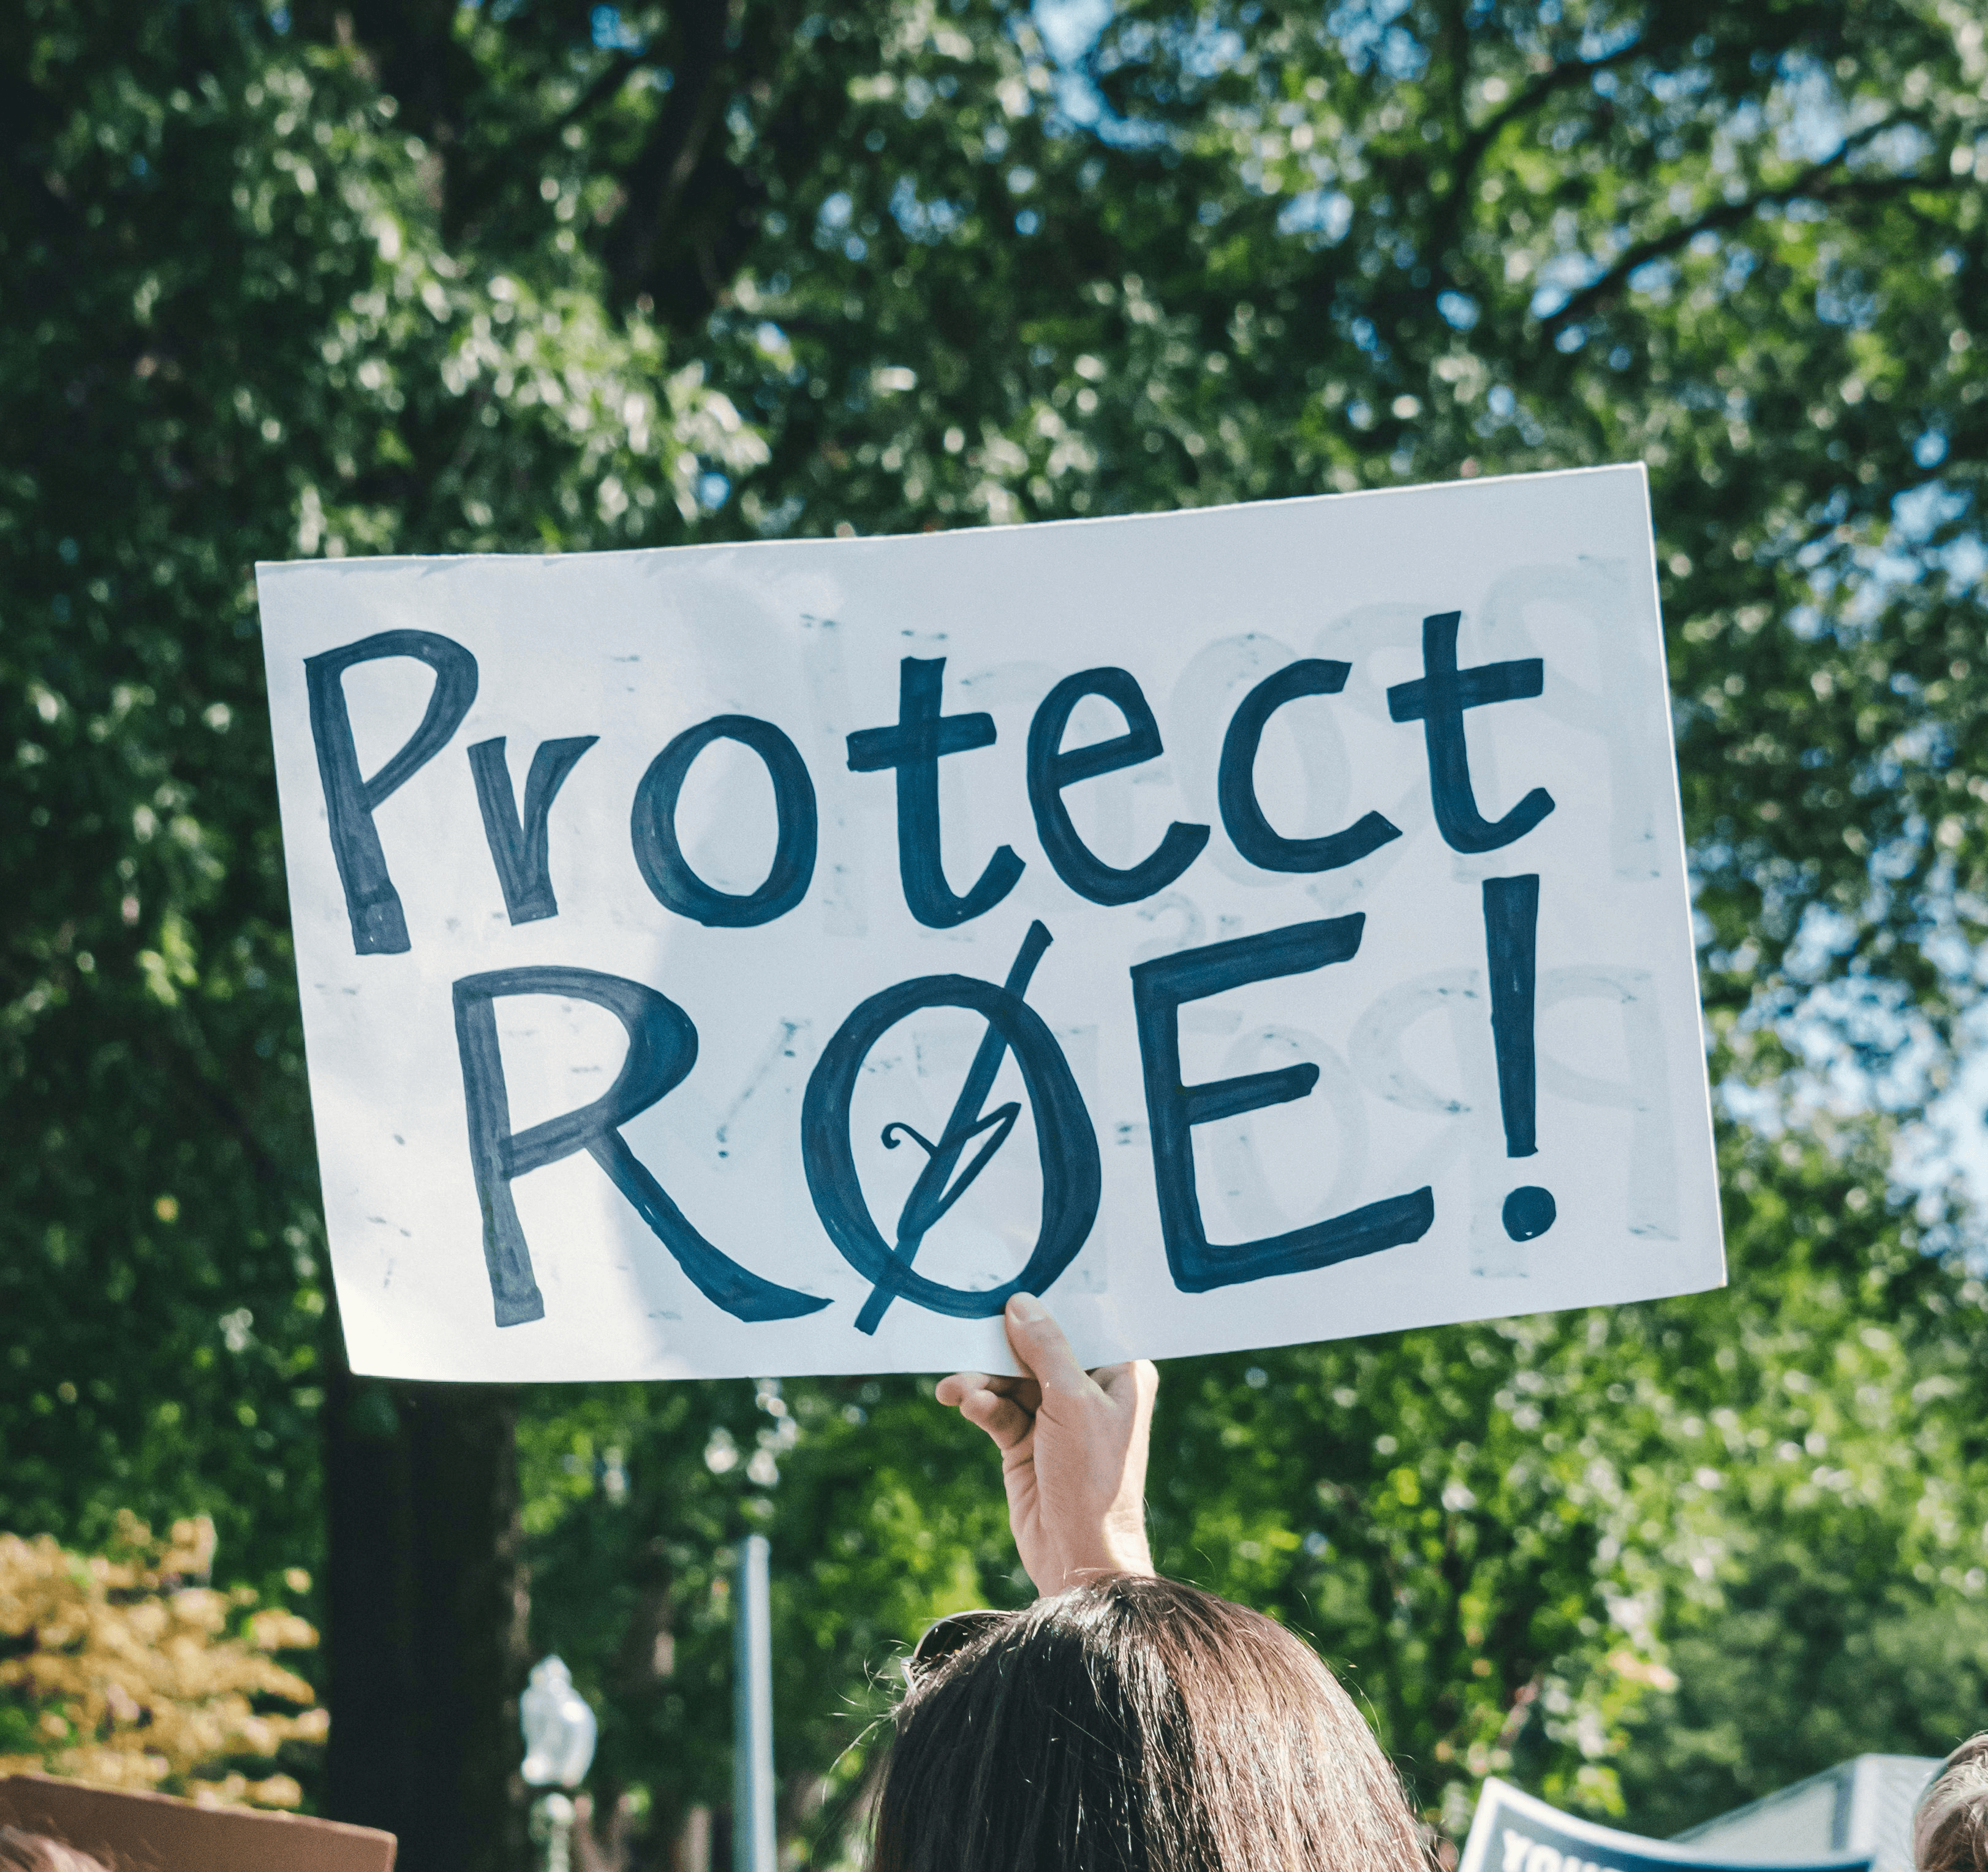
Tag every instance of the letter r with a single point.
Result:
(662, 1048)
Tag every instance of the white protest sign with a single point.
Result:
(1242, 926)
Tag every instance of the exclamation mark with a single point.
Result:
(1511, 942)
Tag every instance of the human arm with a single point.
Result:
(1073, 1446)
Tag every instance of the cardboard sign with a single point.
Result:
(1242, 926)
(154, 1833)
(1512, 1832)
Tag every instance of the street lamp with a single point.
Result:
(559, 1731)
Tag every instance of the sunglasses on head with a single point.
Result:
(947, 1637)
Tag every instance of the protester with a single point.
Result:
(35, 1851)
(1950, 1830)
(1124, 1723)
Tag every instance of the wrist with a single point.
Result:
(1114, 1550)
(1125, 1540)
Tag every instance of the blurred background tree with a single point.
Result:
(127, 1670)
(322, 278)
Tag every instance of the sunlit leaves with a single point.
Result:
(127, 1670)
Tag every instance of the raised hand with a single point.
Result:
(1072, 1447)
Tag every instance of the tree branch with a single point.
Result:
(1470, 152)
(656, 179)
(1809, 184)
(481, 184)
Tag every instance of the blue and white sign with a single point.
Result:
(1512, 1832)
(1242, 926)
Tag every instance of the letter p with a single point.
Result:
(378, 927)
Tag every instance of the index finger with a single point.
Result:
(1136, 1382)
(951, 1390)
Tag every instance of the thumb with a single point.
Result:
(1038, 1341)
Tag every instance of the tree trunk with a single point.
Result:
(427, 1613)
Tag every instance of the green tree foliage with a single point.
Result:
(418, 277)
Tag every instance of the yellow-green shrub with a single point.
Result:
(122, 1669)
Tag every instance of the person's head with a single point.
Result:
(35, 1851)
(1136, 1725)
(1950, 1830)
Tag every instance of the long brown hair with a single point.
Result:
(1950, 1830)
(1137, 1725)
